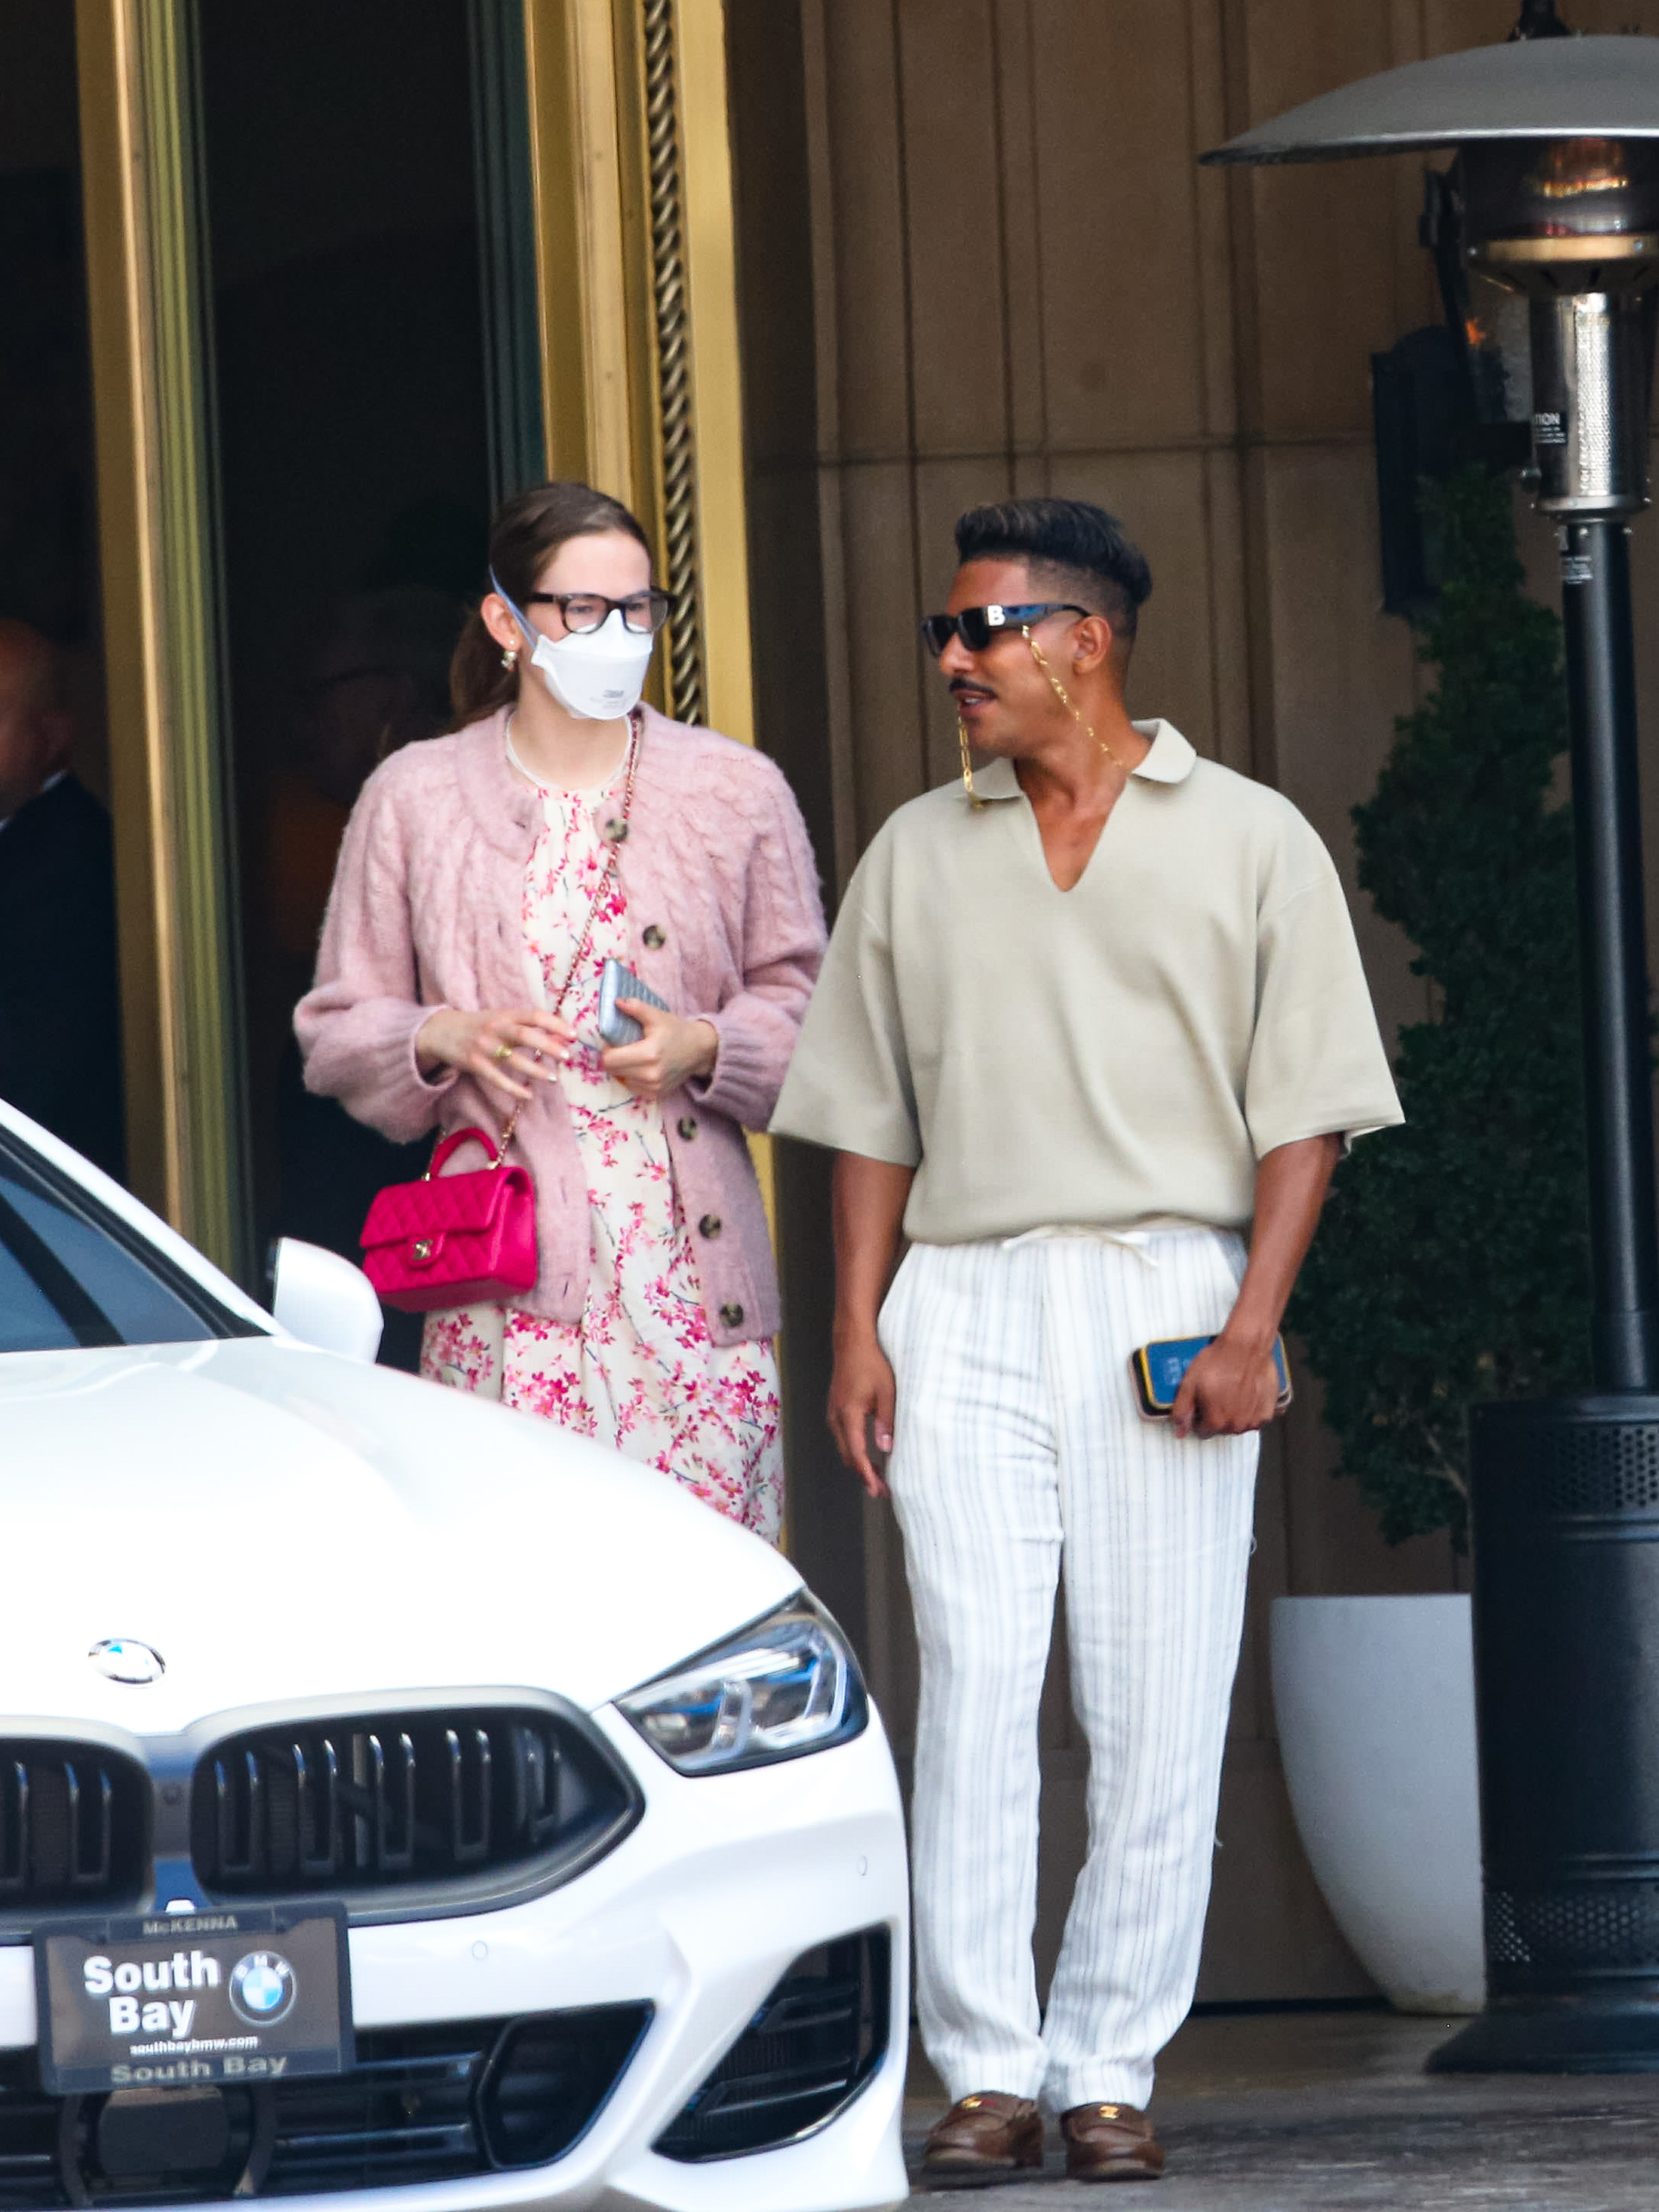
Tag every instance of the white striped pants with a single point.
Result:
(1016, 1442)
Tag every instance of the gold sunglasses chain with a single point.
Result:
(1064, 697)
(978, 803)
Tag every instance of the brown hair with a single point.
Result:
(528, 529)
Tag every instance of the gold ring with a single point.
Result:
(502, 1052)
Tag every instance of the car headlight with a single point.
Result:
(785, 1686)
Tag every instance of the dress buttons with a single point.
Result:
(731, 1316)
(709, 1225)
(687, 1126)
(653, 937)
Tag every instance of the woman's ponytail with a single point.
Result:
(479, 679)
(527, 531)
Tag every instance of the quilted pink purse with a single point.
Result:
(451, 1240)
(466, 1239)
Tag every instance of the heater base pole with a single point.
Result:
(1564, 1494)
(1595, 603)
(1564, 1501)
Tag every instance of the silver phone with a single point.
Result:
(617, 981)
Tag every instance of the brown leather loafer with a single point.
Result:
(983, 2139)
(1110, 2142)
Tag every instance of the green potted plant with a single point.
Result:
(1452, 1263)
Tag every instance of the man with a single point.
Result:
(60, 1024)
(1085, 1016)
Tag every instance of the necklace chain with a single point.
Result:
(596, 790)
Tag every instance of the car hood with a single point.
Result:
(280, 1523)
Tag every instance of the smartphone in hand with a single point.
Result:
(617, 981)
(1158, 1369)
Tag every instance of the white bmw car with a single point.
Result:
(400, 1801)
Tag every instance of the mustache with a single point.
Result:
(969, 683)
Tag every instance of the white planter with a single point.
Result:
(1375, 1698)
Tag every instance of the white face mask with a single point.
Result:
(597, 675)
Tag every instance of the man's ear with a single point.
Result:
(1092, 643)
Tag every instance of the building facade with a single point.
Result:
(797, 279)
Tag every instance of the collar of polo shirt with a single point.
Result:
(1170, 761)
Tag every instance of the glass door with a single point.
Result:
(60, 1039)
(370, 281)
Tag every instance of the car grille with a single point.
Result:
(410, 1799)
(72, 1824)
(806, 2053)
(421, 2103)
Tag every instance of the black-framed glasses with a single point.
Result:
(646, 612)
(977, 626)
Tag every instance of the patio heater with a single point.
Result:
(1554, 193)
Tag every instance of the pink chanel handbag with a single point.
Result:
(461, 1240)
(451, 1240)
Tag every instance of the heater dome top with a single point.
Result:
(1589, 88)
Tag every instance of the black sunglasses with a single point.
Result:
(977, 626)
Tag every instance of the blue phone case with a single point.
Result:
(1159, 1368)
(617, 981)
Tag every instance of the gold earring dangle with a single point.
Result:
(973, 798)
(510, 659)
(1065, 699)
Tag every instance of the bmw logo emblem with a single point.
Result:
(262, 1988)
(124, 1659)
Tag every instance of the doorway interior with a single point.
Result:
(366, 216)
(60, 1064)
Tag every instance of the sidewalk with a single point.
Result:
(1288, 2111)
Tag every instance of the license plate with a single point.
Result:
(169, 1999)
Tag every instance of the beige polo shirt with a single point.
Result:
(1115, 1056)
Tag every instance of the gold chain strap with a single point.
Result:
(978, 803)
(1064, 697)
(615, 835)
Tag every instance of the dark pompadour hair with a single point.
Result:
(1079, 543)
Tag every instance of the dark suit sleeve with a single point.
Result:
(60, 1032)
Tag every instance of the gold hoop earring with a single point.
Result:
(1065, 699)
(973, 798)
(510, 658)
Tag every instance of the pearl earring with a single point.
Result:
(510, 658)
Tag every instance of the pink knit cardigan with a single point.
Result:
(723, 922)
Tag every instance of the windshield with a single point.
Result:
(73, 1274)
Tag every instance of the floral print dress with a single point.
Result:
(638, 1369)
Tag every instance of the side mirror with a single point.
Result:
(323, 1300)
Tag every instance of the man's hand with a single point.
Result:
(868, 1206)
(1230, 1388)
(671, 1051)
(862, 1394)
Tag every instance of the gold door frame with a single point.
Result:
(642, 394)
(163, 666)
(641, 381)
(639, 309)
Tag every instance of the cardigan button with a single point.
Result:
(653, 937)
(710, 1225)
(731, 1316)
(687, 1126)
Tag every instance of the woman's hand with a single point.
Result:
(495, 1046)
(671, 1051)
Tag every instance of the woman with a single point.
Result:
(485, 878)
